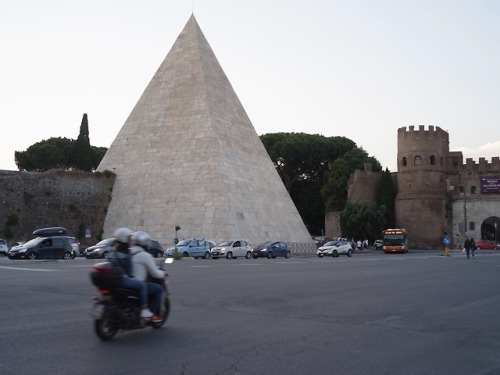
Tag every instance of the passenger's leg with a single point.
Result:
(155, 292)
(142, 289)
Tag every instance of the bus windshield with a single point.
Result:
(394, 239)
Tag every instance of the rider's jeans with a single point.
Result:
(155, 292)
(140, 286)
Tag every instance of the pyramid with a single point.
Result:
(189, 156)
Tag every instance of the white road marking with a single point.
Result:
(27, 269)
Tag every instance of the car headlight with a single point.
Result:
(23, 250)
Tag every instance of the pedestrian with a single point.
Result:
(365, 245)
(446, 243)
(359, 245)
(472, 246)
(467, 246)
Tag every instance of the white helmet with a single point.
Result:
(123, 235)
(142, 239)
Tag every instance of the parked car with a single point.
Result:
(271, 249)
(100, 249)
(17, 243)
(74, 244)
(320, 240)
(54, 247)
(378, 244)
(192, 247)
(155, 249)
(335, 248)
(232, 249)
(487, 244)
(4, 249)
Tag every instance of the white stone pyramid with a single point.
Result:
(189, 156)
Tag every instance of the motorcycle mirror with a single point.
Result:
(169, 260)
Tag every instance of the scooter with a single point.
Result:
(117, 308)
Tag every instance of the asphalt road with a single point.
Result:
(416, 313)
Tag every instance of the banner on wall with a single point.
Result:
(490, 185)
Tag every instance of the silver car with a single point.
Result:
(232, 249)
(335, 248)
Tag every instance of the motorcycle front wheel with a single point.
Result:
(105, 328)
(166, 312)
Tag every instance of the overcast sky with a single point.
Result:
(354, 68)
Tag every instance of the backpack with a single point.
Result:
(122, 263)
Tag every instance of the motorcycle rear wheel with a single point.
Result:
(104, 327)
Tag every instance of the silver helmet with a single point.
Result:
(142, 239)
(123, 235)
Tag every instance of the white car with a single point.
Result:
(335, 248)
(232, 249)
(4, 249)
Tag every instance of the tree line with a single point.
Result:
(314, 169)
(62, 153)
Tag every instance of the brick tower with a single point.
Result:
(188, 155)
(421, 183)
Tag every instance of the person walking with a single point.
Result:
(446, 243)
(467, 246)
(472, 246)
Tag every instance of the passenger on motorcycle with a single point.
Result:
(144, 267)
(121, 256)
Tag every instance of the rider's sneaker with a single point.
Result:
(146, 313)
(155, 319)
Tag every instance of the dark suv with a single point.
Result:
(155, 249)
(53, 247)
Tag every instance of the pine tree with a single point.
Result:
(82, 152)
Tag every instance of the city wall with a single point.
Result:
(75, 200)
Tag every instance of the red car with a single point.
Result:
(487, 244)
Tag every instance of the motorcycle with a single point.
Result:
(117, 308)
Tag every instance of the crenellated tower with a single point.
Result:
(421, 199)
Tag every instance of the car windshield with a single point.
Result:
(34, 241)
(184, 243)
(226, 243)
(107, 241)
(265, 244)
(330, 243)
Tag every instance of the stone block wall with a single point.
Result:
(72, 199)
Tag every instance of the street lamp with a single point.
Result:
(464, 194)
(496, 238)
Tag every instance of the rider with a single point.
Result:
(121, 256)
(144, 266)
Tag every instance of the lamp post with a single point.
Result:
(464, 194)
(496, 238)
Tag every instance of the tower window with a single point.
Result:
(432, 160)
(418, 160)
(473, 190)
(404, 161)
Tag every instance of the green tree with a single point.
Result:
(62, 153)
(362, 221)
(385, 198)
(81, 157)
(334, 190)
(300, 156)
(302, 160)
(45, 155)
(97, 155)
